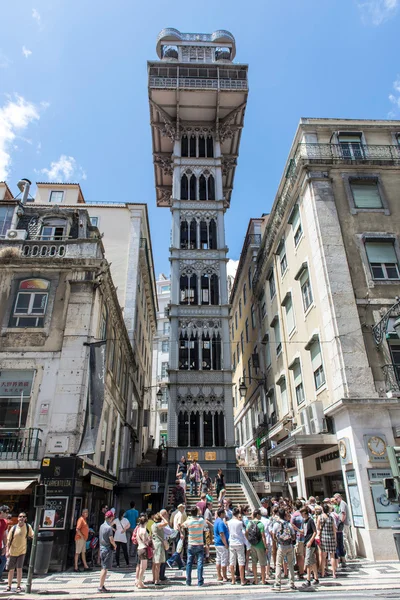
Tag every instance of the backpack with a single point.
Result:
(253, 533)
(134, 536)
(285, 534)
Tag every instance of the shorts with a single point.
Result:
(208, 538)
(80, 546)
(299, 548)
(16, 562)
(106, 557)
(222, 556)
(258, 555)
(142, 554)
(310, 557)
(237, 555)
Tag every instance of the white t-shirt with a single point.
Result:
(182, 483)
(236, 533)
(267, 529)
(120, 534)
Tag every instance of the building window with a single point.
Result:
(351, 145)
(188, 353)
(306, 292)
(249, 277)
(193, 188)
(209, 289)
(290, 322)
(103, 323)
(208, 235)
(283, 396)
(197, 146)
(166, 327)
(244, 294)
(53, 229)
(164, 369)
(263, 308)
(242, 342)
(165, 346)
(238, 352)
(298, 383)
(94, 221)
(236, 320)
(366, 194)
(163, 418)
(188, 289)
(382, 259)
(249, 368)
(165, 289)
(277, 334)
(30, 304)
(56, 197)
(272, 288)
(233, 361)
(236, 396)
(253, 316)
(267, 353)
(295, 221)
(247, 330)
(317, 366)
(233, 332)
(15, 393)
(6, 215)
(240, 308)
(283, 258)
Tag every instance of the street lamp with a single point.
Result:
(159, 394)
(243, 386)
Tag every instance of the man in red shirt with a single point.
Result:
(4, 510)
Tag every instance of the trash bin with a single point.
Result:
(396, 535)
(43, 552)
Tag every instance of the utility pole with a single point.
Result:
(39, 503)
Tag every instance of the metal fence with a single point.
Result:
(20, 444)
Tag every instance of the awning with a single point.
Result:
(300, 446)
(16, 485)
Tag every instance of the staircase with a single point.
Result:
(234, 491)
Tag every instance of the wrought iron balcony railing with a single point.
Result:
(20, 444)
(272, 474)
(392, 378)
(347, 151)
(197, 83)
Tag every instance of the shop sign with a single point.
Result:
(326, 458)
(149, 487)
(193, 456)
(210, 456)
(100, 482)
(54, 513)
(386, 513)
(15, 383)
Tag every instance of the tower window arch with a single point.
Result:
(184, 146)
(188, 237)
(211, 188)
(197, 145)
(184, 187)
(188, 353)
(188, 289)
(208, 235)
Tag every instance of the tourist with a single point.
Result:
(348, 539)
(312, 504)
(326, 533)
(182, 468)
(206, 483)
(179, 518)
(100, 520)
(132, 515)
(297, 522)
(228, 508)
(157, 535)
(143, 540)
(237, 547)
(340, 550)
(178, 493)
(195, 527)
(268, 551)
(195, 473)
(201, 505)
(310, 533)
(182, 483)
(221, 543)
(256, 536)
(219, 484)
(107, 545)
(17, 542)
(285, 536)
(81, 536)
(121, 525)
(246, 513)
(4, 510)
(208, 528)
(264, 507)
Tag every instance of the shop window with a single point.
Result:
(31, 303)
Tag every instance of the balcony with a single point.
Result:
(346, 152)
(20, 444)
(392, 379)
(194, 83)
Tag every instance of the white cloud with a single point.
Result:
(64, 169)
(394, 98)
(5, 62)
(15, 116)
(36, 16)
(378, 11)
(26, 52)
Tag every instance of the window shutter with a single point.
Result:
(316, 358)
(366, 195)
(381, 252)
(297, 375)
(304, 277)
(289, 314)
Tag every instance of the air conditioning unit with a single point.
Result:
(16, 234)
(304, 421)
(315, 413)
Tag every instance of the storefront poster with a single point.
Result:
(387, 513)
(54, 513)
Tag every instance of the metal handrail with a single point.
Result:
(250, 492)
(20, 444)
(197, 83)
(392, 378)
(271, 474)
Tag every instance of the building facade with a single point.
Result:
(327, 280)
(67, 368)
(197, 99)
(161, 345)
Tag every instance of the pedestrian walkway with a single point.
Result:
(360, 575)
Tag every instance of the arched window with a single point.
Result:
(210, 147)
(214, 289)
(202, 188)
(183, 429)
(193, 188)
(204, 241)
(202, 146)
(31, 303)
(210, 188)
(188, 289)
(184, 146)
(216, 353)
(194, 429)
(212, 235)
(184, 187)
(193, 235)
(189, 235)
(207, 429)
(188, 353)
(192, 146)
(184, 234)
(206, 352)
(219, 429)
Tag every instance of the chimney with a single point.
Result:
(24, 186)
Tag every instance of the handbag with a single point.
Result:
(179, 546)
(149, 552)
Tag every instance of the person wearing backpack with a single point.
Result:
(285, 537)
(4, 510)
(255, 535)
(16, 549)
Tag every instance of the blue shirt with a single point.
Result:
(298, 521)
(132, 515)
(220, 527)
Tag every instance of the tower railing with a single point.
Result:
(197, 83)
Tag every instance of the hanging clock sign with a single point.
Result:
(375, 445)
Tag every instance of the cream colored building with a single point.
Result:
(127, 243)
(327, 272)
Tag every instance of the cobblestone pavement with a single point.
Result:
(360, 575)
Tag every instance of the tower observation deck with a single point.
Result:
(197, 99)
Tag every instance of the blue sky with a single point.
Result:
(73, 89)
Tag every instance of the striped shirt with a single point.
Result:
(195, 528)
